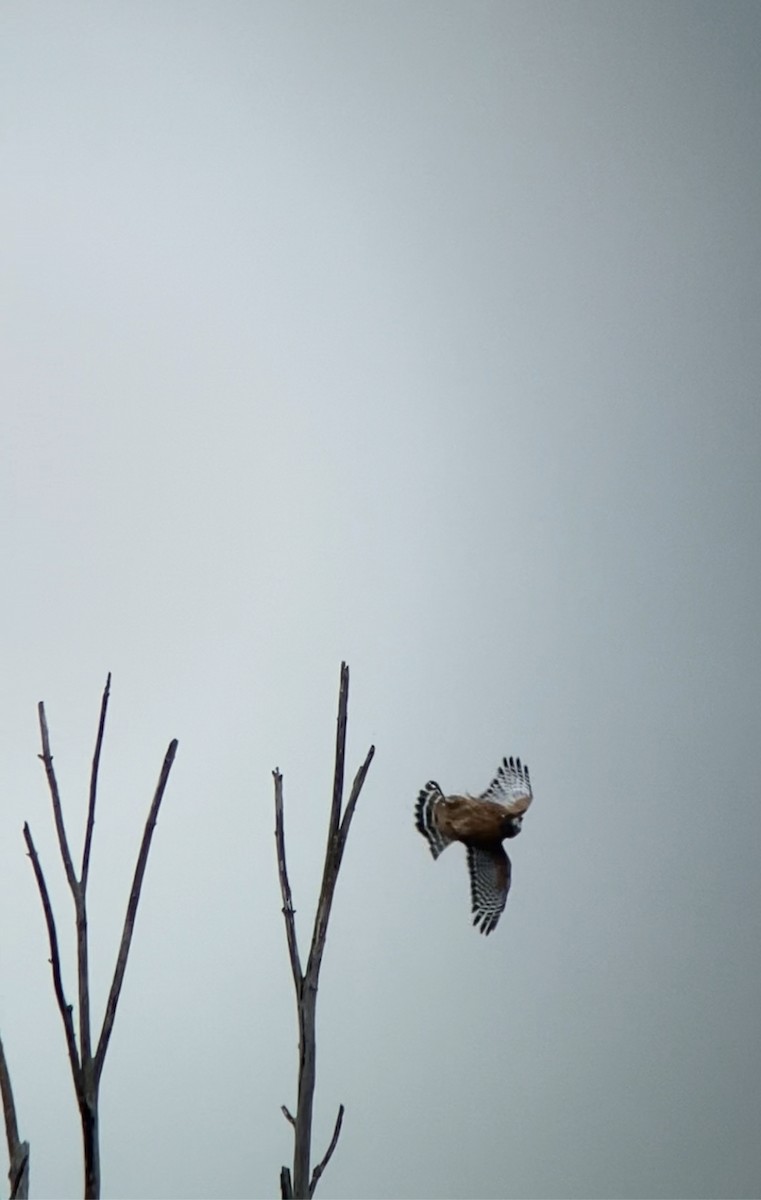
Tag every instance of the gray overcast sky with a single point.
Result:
(426, 336)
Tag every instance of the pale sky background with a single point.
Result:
(426, 336)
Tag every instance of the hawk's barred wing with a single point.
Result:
(511, 786)
(489, 870)
(425, 818)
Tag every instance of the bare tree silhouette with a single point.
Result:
(86, 1065)
(300, 1184)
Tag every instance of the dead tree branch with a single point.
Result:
(286, 1187)
(47, 759)
(64, 1008)
(86, 1068)
(328, 1153)
(18, 1151)
(129, 919)
(285, 887)
(303, 1183)
(94, 783)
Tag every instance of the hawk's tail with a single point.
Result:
(425, 818)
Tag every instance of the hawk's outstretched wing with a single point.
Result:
(511, 786)
(489, 870)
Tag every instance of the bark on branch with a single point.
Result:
(286, 1187)
(285, 888)
(328, 1153)
(47, 759)
(302, 1184)
(64, 1008)
(18, 1151)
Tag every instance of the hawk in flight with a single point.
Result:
(481, 823)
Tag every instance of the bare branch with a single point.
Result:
(55, 963)
(83, 981)
(83, 970)
(356, 788)
(129, 920)
(19, 1174)
(286, 1187)
(77, 887)
(18, 1151)
(9, 1107)
(86, 1069)
(285, 887)
(338, 774)
(302, 1185)
(47, 759)
(288, 1114)
(94, 784)
(333, 858)
(328, 1153)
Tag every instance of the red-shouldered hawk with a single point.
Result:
(481, 823)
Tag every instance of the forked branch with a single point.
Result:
(86, 1068)
(76, 886)
(303, 1183)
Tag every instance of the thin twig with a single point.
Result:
(333, 859)
(47, 759)
(83, 969)
(328, 1153)
(9, 1107)
(94, 784)
(356, 788)
(129, 920)
(55, 963)
(288, 1114)
(285, 887)
(338, 774)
